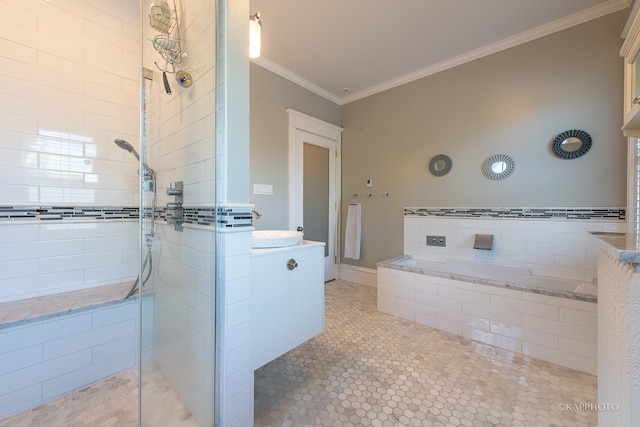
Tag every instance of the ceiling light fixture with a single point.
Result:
(255, 34)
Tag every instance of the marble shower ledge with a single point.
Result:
(621, 246)
(24, 311)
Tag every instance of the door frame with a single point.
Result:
(300, 122)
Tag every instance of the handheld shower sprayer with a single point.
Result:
(149, 185)
(126, 146)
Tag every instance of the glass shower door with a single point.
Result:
(178, 142)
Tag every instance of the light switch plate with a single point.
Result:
(264, 189)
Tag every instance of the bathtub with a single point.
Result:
(56, 344)
(505, 306)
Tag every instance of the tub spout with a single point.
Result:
(483, 241)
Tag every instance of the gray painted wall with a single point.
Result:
(271, 95)
(514, 102)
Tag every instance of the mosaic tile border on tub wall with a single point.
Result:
(617, 214)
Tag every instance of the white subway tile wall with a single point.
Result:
(618, 337)
(558, 330)
(559, 248)
(181, 147)
(71, 75)
(234, 373)
(42, 258)
(49, 358)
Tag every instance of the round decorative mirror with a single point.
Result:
(499, 166)
(571, 144)
(440, 165)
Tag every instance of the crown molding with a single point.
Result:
(524, 37)
(629, 48)
(284, 73)
(632, 15)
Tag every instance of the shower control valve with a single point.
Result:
(178, 213)
(174, 191)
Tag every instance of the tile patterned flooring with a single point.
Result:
(108, 403)
(372, 369)
(112, 402)
(367, 369)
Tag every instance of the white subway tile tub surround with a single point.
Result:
(558, 330)
(71, 71)
(42, 258)
(551, 247)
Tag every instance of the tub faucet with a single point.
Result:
(255, 214)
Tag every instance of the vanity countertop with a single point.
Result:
(623, 247)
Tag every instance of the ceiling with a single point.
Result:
(345, 50)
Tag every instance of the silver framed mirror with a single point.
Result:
(499, 166)
(571, 144)
(440, 165)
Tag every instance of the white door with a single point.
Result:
(314, 186)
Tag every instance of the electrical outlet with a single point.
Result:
(436, 241)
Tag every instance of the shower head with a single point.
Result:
(126, 146)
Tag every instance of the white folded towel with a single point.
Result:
(352, 232)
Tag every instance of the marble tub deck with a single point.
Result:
(19, 312)
(517, 278)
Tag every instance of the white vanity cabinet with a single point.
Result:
(287, 299)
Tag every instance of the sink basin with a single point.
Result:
(275, 238)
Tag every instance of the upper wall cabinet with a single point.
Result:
(630, 49)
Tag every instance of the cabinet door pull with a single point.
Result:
(291, 264)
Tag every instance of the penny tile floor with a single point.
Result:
(372, 369)
(112, 402)
(366, 369)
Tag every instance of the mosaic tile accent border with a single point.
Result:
(618, 214)
(206, 216)
(235, 217)
(45, 213)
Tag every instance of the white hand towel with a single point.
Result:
(352, 232)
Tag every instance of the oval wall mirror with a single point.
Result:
(499, 166)
(440, 165)
(571, 144)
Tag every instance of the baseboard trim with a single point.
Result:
(364, 276)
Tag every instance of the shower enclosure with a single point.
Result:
(108, 114)
(178, 128)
